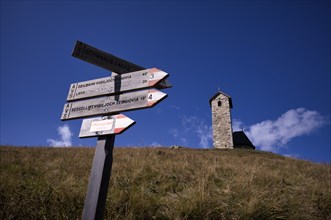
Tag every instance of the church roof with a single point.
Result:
(217, 94)
(241, 140)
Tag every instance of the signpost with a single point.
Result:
(112, 104)
(107, 96)
(102, 59)
(108, 61)
(106, 125)
(116, 84)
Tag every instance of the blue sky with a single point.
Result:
(271, 57)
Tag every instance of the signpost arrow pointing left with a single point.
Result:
(103, 59)
(108, 61)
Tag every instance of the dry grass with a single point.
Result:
(161, 183)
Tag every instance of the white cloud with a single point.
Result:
(292, 155)
(270, 135)
(192, 125)
(237, 125)
(65, 137)
(204, 133)
(184, 141)
(175, 107)
(155, 144)
(174, 132)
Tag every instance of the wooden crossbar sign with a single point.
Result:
(102, 59)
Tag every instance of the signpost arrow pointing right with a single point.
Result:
(116, 84)
(114, 124)
(107, 105)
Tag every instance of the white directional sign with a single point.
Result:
(106, 105)
(116, 84)
(114, 124)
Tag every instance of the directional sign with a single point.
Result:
(102, 59)
(108, 61)
(164, 84)
(106, 105)
(114, 124)
(111, 101)
(116, 84)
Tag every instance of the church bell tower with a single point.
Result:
(221, 105)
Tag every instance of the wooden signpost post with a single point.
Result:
(130, 88)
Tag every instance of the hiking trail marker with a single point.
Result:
(112, 124)
(131, 87)
(116, 84)
(112, 104)
(108, 61)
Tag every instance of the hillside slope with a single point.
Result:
(163, 183)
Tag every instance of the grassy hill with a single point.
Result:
(163, 183)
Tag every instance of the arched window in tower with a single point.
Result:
(219, 103)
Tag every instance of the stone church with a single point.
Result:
(223, 136)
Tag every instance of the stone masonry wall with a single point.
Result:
(221, 121)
